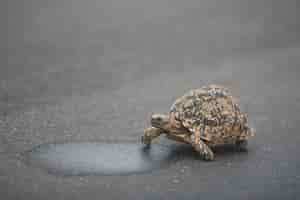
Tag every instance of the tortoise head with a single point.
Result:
(160, 121)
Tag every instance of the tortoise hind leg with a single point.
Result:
(242, 140)
(150, 134)
(241, 145)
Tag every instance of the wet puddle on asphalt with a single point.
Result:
(71, 159)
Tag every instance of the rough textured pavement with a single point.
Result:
(96, 70)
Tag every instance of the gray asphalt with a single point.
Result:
(96, 70)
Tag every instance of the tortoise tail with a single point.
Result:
(250, 132)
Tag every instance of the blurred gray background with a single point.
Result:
(90, 70)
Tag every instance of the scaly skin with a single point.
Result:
(150, 134)
(177, 134)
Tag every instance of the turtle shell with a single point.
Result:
(213, 113)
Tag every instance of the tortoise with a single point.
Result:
(203, 117)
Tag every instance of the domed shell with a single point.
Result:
(213, 112)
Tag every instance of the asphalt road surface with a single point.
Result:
(88, 71)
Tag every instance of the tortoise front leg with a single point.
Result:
(203, 149)
(150, 134)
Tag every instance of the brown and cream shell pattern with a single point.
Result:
(214, 113)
